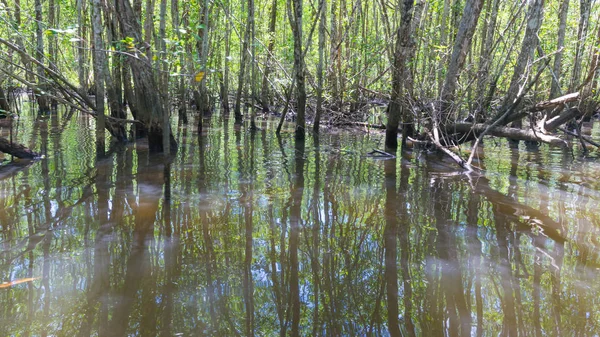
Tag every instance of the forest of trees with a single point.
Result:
(449, 71)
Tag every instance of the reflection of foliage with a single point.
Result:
(112, 255)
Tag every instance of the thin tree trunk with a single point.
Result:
(529, 45)
(462, 45)
(99, 63)
(252, 64)
(557, 69)
(39, 55)
(296, 24)
(241, 76)
(400, 73)
(585, 7)
(322, 32)
(225, 89)
(81, 47)
(270, 47)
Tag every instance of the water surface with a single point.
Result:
(244, 234)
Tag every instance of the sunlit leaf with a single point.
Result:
(199, 76)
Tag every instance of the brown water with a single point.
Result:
(246, 234)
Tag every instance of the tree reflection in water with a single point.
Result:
(248, 234)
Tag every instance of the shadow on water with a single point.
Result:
(245, 233)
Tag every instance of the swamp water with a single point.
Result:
(246, 234)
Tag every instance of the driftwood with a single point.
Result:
(504, 132)
(551, 104)
(17, 150)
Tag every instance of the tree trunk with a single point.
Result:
(486, 59)
(270, 47)
(4, 106)
(557, 69)
(42, 99)
(462, 45)
(81, 47)
(99, 63)
(400, 73)
(242, 73)
(225, 94)
(322, 32)
(521, 70)
(585, 7)
(148, 100)
(296, 24)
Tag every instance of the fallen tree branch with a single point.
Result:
(504, 132)
(461, 162)
(580, 136)
(17, 150)
(553, 103)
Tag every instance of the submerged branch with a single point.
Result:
(17, 150)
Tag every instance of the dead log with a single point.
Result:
(503, 132)
(551, 104)
(17, 150)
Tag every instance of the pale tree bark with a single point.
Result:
(486, 58)
(462, 45)
(99, 63)
(524, 60)
(149, 28)
(560, 43)
(225, 87)
(53, 11)
(585, 7)
(334, 56)
(42, 99)
(252, 64)
(114, 91)
(81, 47)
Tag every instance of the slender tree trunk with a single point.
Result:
(296, 23)
(42, 99)
(486, 59)
(252, 64)
(163, 78)
(528, 47)
(148, 28)
(270, 48)
(242, 73)
(401, 70)
(225, 89)
(81, 47)
(52, 41)
(322, 32)
(557, 69)
(462, 45)
(334, 56)
(99, 63)
(182, 111)
(585, 7)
